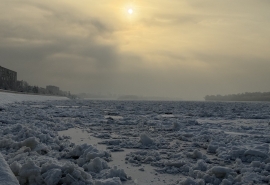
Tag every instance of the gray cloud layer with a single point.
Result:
(183, 49)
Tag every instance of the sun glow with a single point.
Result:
(130, 11)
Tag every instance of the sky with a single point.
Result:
(182, 49)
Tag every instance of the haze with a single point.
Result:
(180, 49)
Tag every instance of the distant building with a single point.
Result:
(53, 89)
(8, 79)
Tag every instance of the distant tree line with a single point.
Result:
(254, 96)
(23, 86)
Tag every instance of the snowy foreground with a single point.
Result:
(117, 142)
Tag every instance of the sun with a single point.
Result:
(130, 11)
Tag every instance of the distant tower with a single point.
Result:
(8, 79)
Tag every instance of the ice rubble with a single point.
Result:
(6, 175)
(203, 143)
(37, 155)
(204, 152)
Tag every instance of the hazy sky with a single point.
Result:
(177, 48)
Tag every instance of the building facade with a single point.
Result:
(8, 79)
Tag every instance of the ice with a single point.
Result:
(176, 126)
(49, 165)
(96, 165)
(251, 177)
(15, 167)
(52, 176)
(196, 154)
(220, 171)
(29, 172)
(226, 182)
(30, 142)
(114, 172)
(177, 164)
(212, 148)
(110, 181)
(190, 181)
(71, 142)
(200, 165)
(267, 167)
(6, 175)
(257, 153)
(146, 140)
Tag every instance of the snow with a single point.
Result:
(86, 142)
(6, 98)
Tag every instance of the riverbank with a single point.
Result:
(7, 97)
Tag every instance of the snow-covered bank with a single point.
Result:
(6, 98)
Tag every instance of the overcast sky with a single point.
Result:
(178, 48)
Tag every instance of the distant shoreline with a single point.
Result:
(255, 96)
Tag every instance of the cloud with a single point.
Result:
(59, 43)
(184, 49)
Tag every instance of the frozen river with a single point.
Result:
(136, 142)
